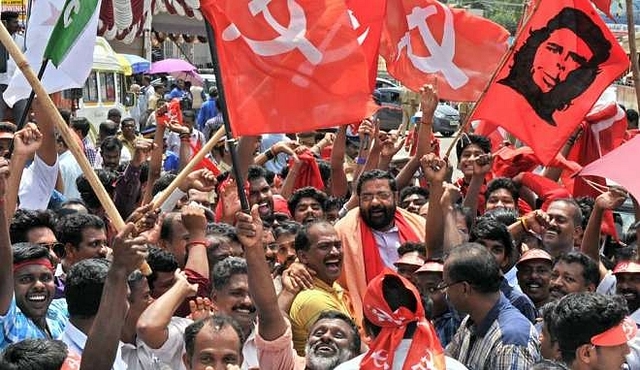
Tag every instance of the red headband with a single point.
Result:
(617, 335)
(40, 261)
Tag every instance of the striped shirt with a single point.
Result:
(504, 340)
(16, 326)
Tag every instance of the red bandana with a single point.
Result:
(373, 264)
(425, 352)
(40, 261)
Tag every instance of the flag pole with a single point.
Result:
(231, 141)
(503, 61)
(32, 95)
(66, 133)
(633, 50)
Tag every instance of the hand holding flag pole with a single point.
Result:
(66, 133)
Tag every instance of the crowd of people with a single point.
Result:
(361, 250)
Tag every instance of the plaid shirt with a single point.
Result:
(16, 326)
(504, 340)
(89, 150)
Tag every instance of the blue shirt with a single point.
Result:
(519, 300)
(16, 326)
(208, 110)
(176, 93)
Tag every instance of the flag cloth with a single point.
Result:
(366, 18)
(73, 70)
(73, 20)
(564, 59)
(423, 40)
(289, 66)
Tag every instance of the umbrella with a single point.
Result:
(171, 66)
(615, 166)
(138, 63)
(190, 76)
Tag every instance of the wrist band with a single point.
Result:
(360, 160)
(269, 154)
(196, 242)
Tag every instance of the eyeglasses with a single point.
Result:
(442, 286)
(52, 246)
(383, 195)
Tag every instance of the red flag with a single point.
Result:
(366, 18)
(564, 58)
(604, 6)
(423, 39)
(289, 66)
(205, 162)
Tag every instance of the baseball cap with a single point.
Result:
(410, 258)
(431, 266)
(628, 267)
(617, 335)
(535, 254)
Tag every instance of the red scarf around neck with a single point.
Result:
(372, 261)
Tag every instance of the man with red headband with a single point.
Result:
(593, 331)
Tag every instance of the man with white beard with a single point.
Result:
(333, 338)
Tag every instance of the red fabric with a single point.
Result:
(72, 361)
(373, 261)
(604, 6)
(44, 262)
(630, 134)
(508, 162)
(366, 18)
(309, 172)
(425, 351)
(464, 187)
(280, 205)
(205, 162)
(533, 85)
(546, 189)
(491, 131)
(468, 48)
(322, 72)
(204, 290)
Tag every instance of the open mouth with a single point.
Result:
(37, 298)
(325, 349)
(264, 208)
(334, 266)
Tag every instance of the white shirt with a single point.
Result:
(76, 340)
(11, 65)
(69, 171)
(607, 285)
(140, 357)
(37, 184)
(398, 359)
(173, 141)
(388, 243)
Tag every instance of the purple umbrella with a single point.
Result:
(171, 66)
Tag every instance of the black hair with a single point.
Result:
(580, 316)
(8, 15)
(255, 173)
(89, 197)
(410, 190)
(162, 182)
(590, 270)
(355, 345)
(333, 203)
(110, 143)
(160, 260)
(376, 175)
(505, 216)
(70, 227)
(302, 241)
(108, 128)
(286, 227)
(473, 263)
(306, 192)
(34, 354)
(166, 228)
(632, 117)
(466, 214)
(114, 112)
(325, 171)
(503, 183)
(217, 322)
(407, 247)
(585, 203)
(82, 124)
(491, 229)
(578, 218)
(24, 220)
(223, 229)
(29, 252)
(473, 139)
(549, 318)
(224, 270)
(83, 287)
(6, 126)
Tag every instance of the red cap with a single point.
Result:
(431, 266)
(410, 258)
(617, 335)
(627, 267)
(535, 254)
(280, 205)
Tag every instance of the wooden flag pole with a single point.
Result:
(51, 110)
(633, 50)
(188, 168)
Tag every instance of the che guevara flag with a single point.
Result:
(289, 66)
(424, 39)
(563, 60)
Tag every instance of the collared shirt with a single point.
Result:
(388, 243)
(16, 326)
(140, 357)
(504, 340)
(447, 325)
(76, 340)
(310, 303)
(519, 301)
(90, 150)
(130, 145)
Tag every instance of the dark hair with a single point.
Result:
(590, 270)
(224, 270)
(473, 139)
(491, 229)
(108, 128)
(6, 126)
(110, 143)
(580, 316)
(376, 175)
(188, 113)
(410, 190)
(114, 112)
(407, 247)
(70, 227)
(355, 345)
(503, 183)
(585, 204)
(306, 192)
(34, 354)
(302, 241)
(549, 318)
(332, 203)
(28, 252)
(8, 15)
(577, 81)
(223, 229)
(65, 114)
(286, 227)
(89, 197)
(217, 322)
(466, 213)
(473, 263)
(83, 287)
(25, 220)
(82, 124)
(632, 117)
(160, 260)
(163, 182)
(325, 171)
(505, 216)
(255, 173)
(166, 229)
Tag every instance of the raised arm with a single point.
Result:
(435, 170)
(339, 184)
(47, 151)
(6, 256)
(25, 144)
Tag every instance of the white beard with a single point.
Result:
(316, 362)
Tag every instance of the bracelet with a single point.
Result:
(196, 242)
(523, 223)
(343, 211)
(185, 136)
(360, 160)
(269, 154)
